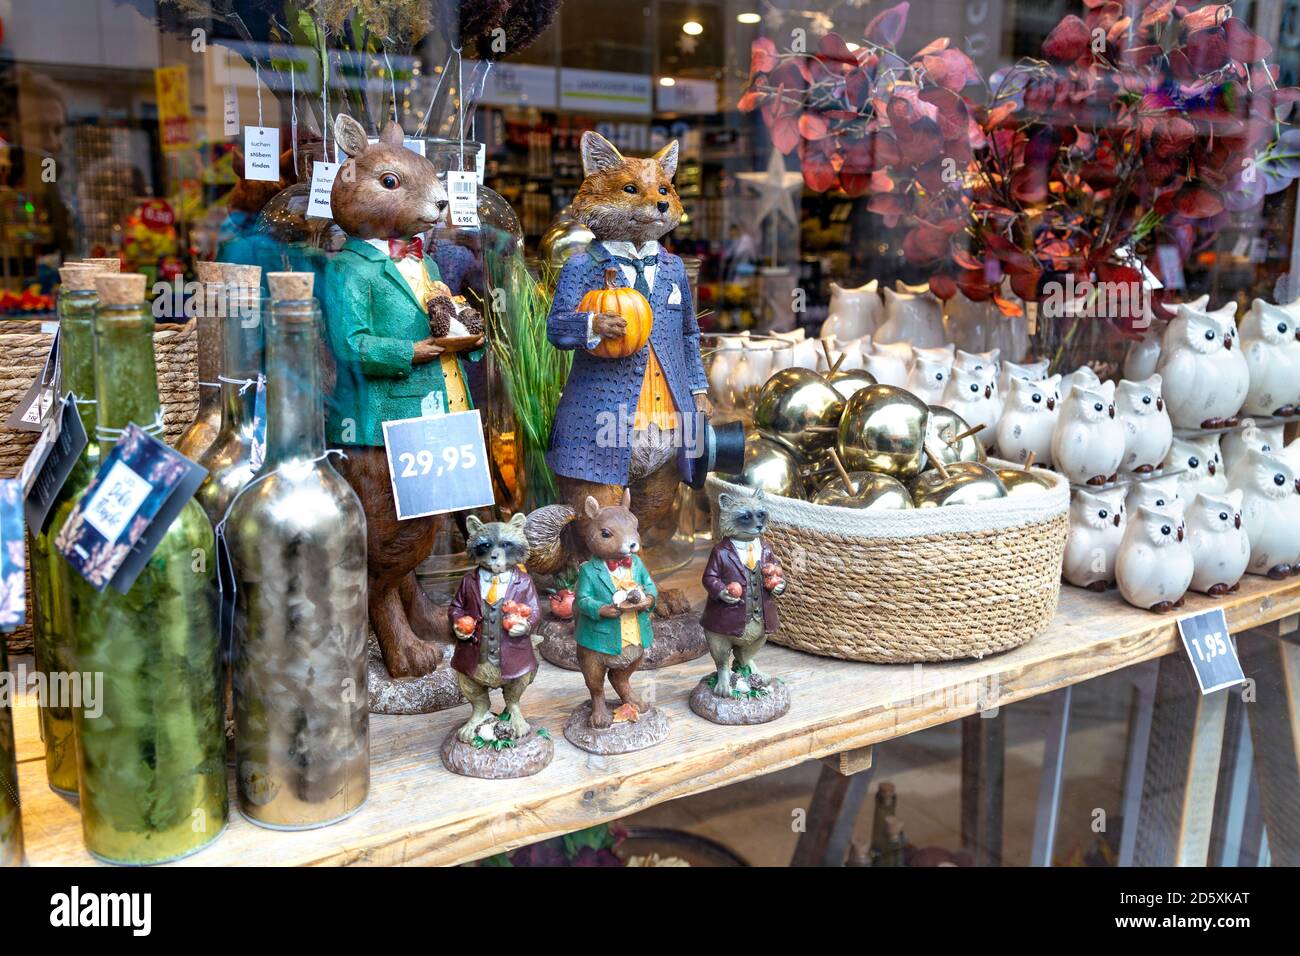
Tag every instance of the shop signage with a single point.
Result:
(262, 153)
(688, 96)
(519, 84)
(603, 92)
(172, 87)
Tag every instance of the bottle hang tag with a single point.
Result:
(462, 194)
(34, 408)
(226, 588)
(322, 182)
(480, 161)
(230, 112)
(1211, 650)
(13, 557)
(139, 490)
(257, 451)
(262, 153)
(51, 463)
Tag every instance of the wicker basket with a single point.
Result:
(23, 348)
(901, 587)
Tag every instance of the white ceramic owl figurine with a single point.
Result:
(1143, 355)
(1147, 430)
(1154, 566)
(1220, 545)
(888, 363)
(1291, 455)
(1083, 375)
(1205, 375)
(1030, 372)
(928, 378)
(1029, 420)
(976, 361)
(853, 313)
(1270, 510)
(1201, 464)
(1251, 435)
(1270, 342)
(1156, 493)
(973, 396)
(1088, 444)
(915, 318)
(1097, 520)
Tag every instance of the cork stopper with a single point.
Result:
(108, 265)
(240, 276)
(208, 271)
(125, 289)
(290, 286)
(79, 276)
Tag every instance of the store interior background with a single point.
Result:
(78, 85)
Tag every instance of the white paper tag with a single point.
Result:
(1171, 265)
(230, 112)
(322, 181)
(31, 465)
(116, 501)
(480, 161)
(462, 192)
(262, 153)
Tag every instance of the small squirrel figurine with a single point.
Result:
(615, 595)
(741, 579)
(492, 616)
(382, 300)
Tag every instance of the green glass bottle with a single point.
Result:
(229, 459)
(11, 821)
(51, 628)
(152, 761)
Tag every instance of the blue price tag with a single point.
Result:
(13, 580)
(1211, 650)
(438, 464)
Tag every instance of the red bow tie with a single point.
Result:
(399, 249)
(620, 563)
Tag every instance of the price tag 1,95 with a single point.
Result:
(1211, 650)
(438, 464)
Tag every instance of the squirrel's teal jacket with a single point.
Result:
(372, 322)
(596, 589)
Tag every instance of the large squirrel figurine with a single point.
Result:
(385, 309)
(617, 422)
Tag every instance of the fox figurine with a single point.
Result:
(629, 204)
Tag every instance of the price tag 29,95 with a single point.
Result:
(438, 464)
(1211, 651)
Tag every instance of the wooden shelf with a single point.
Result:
(420, 813)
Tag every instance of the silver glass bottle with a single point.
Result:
(297, 541)
(229, 459)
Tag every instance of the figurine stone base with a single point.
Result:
(741, 710)
(409, 695)
(677, 639)
(622, 737)
(525, 758)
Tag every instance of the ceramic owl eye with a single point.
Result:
(1093, 404)
(969, 384)
(1140, 398)
(1163, 527)
(1220, 513)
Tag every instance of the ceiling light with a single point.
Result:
(748, 18)
(692, 28)
(667, 81)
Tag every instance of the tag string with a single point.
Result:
(244, 383)
(104, 433)
(460, 103)
(257, 77)
(293, 113)
(433, 98)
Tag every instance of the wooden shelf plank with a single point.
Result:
(420, 813)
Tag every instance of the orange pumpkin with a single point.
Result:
(628, 303)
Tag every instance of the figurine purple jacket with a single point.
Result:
(725, 568)
(599, 388)
(517, 657)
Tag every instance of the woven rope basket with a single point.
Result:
(23, 348)
(903, 587)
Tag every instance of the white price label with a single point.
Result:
(262, 153)
(462, 192)
(116, 501)
(32, 465)
(322, 181)
(230, 113)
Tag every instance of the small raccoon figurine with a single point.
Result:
(492, 617)
(741, 581)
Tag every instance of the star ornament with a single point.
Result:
(776, 188)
